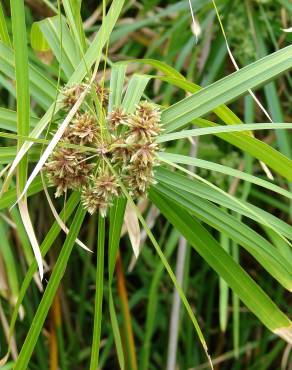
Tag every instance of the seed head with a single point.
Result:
(144, 124)
(99, 193)
(148, 111)
(67, 169)
(116, 118)
(144, 154)
(121, 151)
(128, 142)
(83, 129)
(139, 178)
(91, 202)
(106, 185)
(72, 94)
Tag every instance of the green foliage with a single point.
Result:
(217, 178)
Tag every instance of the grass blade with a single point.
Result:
(221, 129)
(23, 115)
(116, 85)
(47, 299)
(134, 92)
(178, 158)
(4, 35)
(116, 223)
(233, 86)
(248, 291)
(257, 246)
(98, 294)
(45, 246)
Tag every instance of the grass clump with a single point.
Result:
(201, 225)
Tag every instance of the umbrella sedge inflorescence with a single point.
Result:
(125, 140)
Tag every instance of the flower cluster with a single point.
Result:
(123, 152)
(67, 169)
(134, 145)
(72, 93)
(99, 192)
(83, 130)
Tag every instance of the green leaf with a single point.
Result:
(42, 87)
(264, 252)
(161, 66)
(9, 262)
(167, 267)
(8, 120)
(198, 188)
(153, 300)
(37, 40)
(273, 100)
(221, 129)
(134, 92)
(226, 89)
(61, 42)
(4, 35)
(49, 294)
(242, 284)
(9, 197)
(7, 154)
(232, 198)
(258, 149)
(176, 79)
(72, 10)
(23, 115)
(22, 81)
(117, 212)
(98, 294)
(116, 86)
(201, 163)
(45, 246)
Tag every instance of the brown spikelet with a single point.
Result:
(144, 124)
(91, 202)
(121, 151)
(72, 94)
(98, 195)
(139, 178)
(144, 154)
(148, 111)
(67, 169)
(106, 185)
(83, 129)
(116, 118)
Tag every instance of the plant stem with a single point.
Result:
(98, 294)
(128, 330)
(55, 319)
(176, 303)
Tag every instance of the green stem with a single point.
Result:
(98, 294)
(129, 345)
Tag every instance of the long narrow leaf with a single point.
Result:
(226, 89)
(47, 299)
(248, 291)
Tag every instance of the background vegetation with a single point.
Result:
(228, 193)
